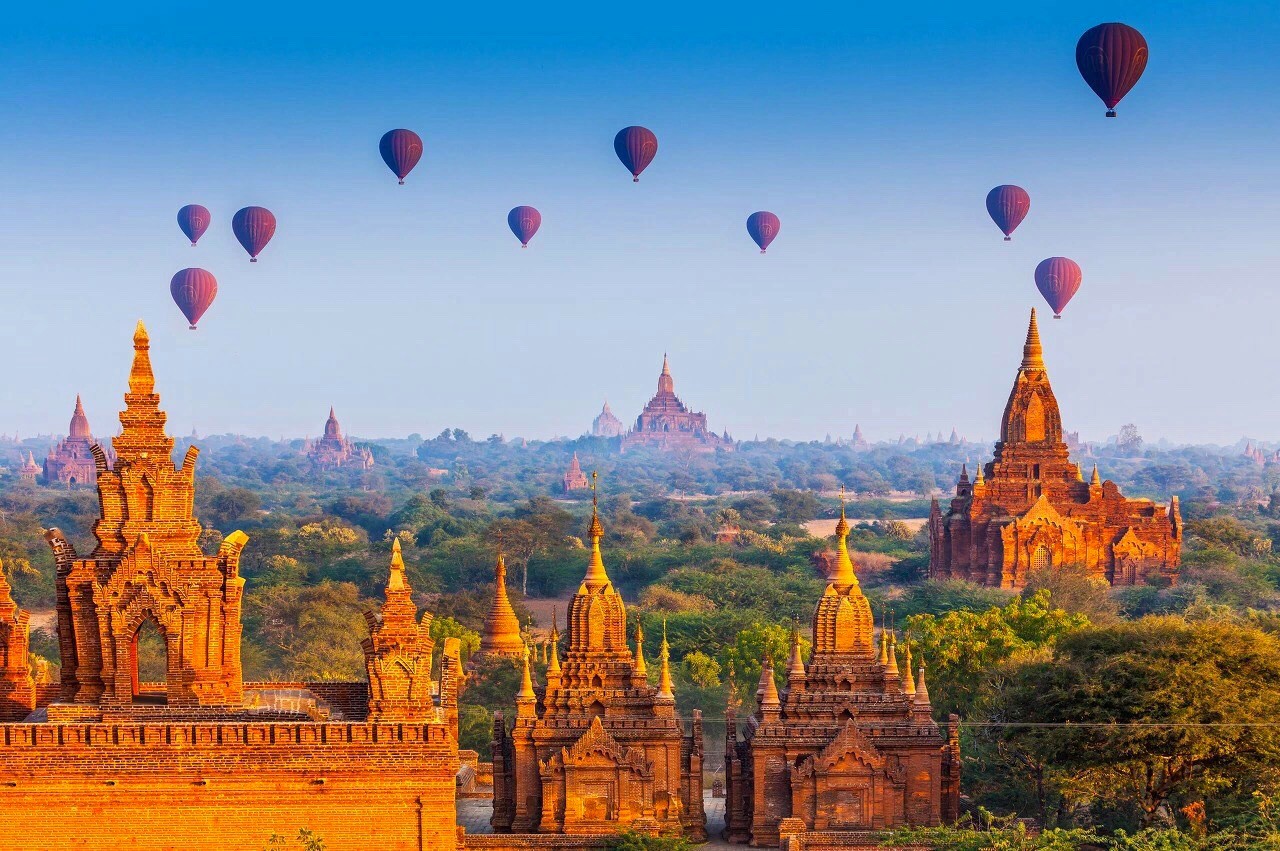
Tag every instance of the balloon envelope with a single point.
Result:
(254, 227)
(524, 223)
(763, 227)
(1008, 206)
(193, 291)
(194, 221)
(636, 146)
(1058, 279)
(401, 150)
(1111, 58)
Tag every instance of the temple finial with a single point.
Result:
(665, 690)
(908, 684)
(596, 576)
(843, 576)
(639, 665)
(396, 579)
(1095, 481)
(1032, 351)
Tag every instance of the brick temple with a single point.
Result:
(574, 479)
(606, 424)
(849, 744)
(334, 451)
(71, 462)
(1030, 507)
(205, 760)
(597, 749)
(501, 636)
(667, 423)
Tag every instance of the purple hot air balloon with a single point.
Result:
(1111, 58)
(636, 146)
(763, 227)
(194, 221)
(1058, 279)
(193, 290)
(524, 222)
(254, 227)
(1008, 206)
(401, 150)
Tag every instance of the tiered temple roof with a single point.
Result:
(667, 423)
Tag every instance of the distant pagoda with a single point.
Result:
(71, 462)
(667, 423)
(501, 636)
(606, 424)
(333, 450)
(574, 478)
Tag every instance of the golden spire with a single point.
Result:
(908, 684)
(664, 676)
(501, 626)
(142, 380)
(1095, 481)
(396, 579)
(795, 667)
(1079, 473)
(596, 576)
(553, 667)
(526, 682)
(142, 422)
(893, 654)
(639, 666)
(768, 688)
(1032, 351)
(922, 690)
(979, 479)
(884, 643)
(843, 576)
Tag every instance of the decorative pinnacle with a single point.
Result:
(1095, 481)
(768, 688)
(526, 682)
(1032, 351)
(795, 666)
(922, 690)
(664, 676)
(553, 665)
(396, 579)
(908, 684)
(142, 380)
(639, 665)
(843, 576)
(596, 576)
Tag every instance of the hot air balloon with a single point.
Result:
(401, 150)
(1111, 58)
(254, 227)
(194, 221)
(193, 290)
(1008, 206)
(763, 227)
(1058, 279)
(524, 223)
(636, 146)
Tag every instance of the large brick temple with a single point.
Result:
(1030, 507)
(667, 423)
(849, 745)
(597, 749)
(71, 462)
(333, 450)
(205, 760)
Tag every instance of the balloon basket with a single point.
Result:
(253, 259)
(193, 245)
(402, 183)
(191, 327)
(1008, 239)
(1111, 113)
(1057, 316)
(635, 180)
(762, 251)
(524, 245)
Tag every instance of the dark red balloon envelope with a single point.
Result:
(1111, 58)
(194, 221)
(636, 146)
(254, 227)
(763, 226)
(193, 290)
(1058, 279)
(401, 149)
(524, 222)
(1008, 205)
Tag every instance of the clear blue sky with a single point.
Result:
(888, 299)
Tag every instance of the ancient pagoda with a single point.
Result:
(30, 470)
(849, 743)
(574, 479)
(667, 423)
(501, 636)
(1030, 508)
(71, 462)
(598, 749)
(333, 450)
(606, 424)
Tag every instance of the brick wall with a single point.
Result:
(210, 786)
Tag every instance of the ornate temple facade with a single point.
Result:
(501, 636)
(333, 450)
(597, 749)
(574, 479)
(71, 462)
(606, 424)
(667, 423)
(204, 760)
(29, 470)
(1030, 508)
(849, 744)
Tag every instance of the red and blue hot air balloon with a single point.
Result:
(401, 150)
(763, 227)
(194, 221)
(1111, 58)
(524, 222)
(636, 146)
(254, 227)
(1008, 206)
(193, 290)
(1058, 279)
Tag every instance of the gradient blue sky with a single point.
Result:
(888, 299)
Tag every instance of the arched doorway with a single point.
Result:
(1041, 558)
(149, 663)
